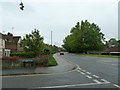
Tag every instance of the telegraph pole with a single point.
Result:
(51, 44)
(12, 29)
(51, 38)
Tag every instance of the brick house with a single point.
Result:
(11, 42)
(2, 45)
(3, 50)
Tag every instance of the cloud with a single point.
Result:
(59, 17)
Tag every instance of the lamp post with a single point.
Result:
(51, 43)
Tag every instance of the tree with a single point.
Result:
(84, 37)
(118, 43)
(113, 42)
(33, 42)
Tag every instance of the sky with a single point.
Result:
(58, 16)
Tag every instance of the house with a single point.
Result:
(2, 45)
(11, 42)
(3, 51)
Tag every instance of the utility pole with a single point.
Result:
(51, 44)
(51, 38)
(12, 29)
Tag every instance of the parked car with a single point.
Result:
(61, 53)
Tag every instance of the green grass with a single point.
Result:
(52, 61)
(109, 56)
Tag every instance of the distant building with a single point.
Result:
(11, 42)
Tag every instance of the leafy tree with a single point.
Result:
(33, 42)
(118, 43)
(113, 42)
(84, 37)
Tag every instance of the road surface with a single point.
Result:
(92, 72)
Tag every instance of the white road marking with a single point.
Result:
(114, 64)
(105, 81)
(83, 70)
(96, 81)
(82, 73)
(116, 85)
(78, 71)
(71, 85)
(96, 76)
(88, 76)
(88, 72)
(79, 68)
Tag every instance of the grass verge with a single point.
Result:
(52, 61)
(109, 56)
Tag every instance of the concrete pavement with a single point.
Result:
(63, 66)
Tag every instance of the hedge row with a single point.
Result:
(30, 54)
(24, 54)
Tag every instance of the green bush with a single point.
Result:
(52, 61)
(46, 52)
(24, 54)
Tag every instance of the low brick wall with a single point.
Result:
(22, 63)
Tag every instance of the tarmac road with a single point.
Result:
(93, 72)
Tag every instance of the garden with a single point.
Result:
(35, 53)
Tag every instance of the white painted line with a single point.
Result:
(114, 64)
(79, 68)
(71, 85)
(78, 71)
(83, 70)
(105, 81)
(96, 76)
(96, 81)
(88, 76)
(88, 72)
(82, 73)
(116, 85)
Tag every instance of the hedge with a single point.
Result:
(24, 54)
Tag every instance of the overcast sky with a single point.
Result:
(58, 16)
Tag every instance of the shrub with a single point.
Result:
(52, 61)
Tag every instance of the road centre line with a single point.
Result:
(88, 72)
(82, 73)
(84, 70)
(116, 85)
(96, 81)
(79, 68)
(88, 76)
(95, 76)
(105, 80)
(114, 64)
(78, 71)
